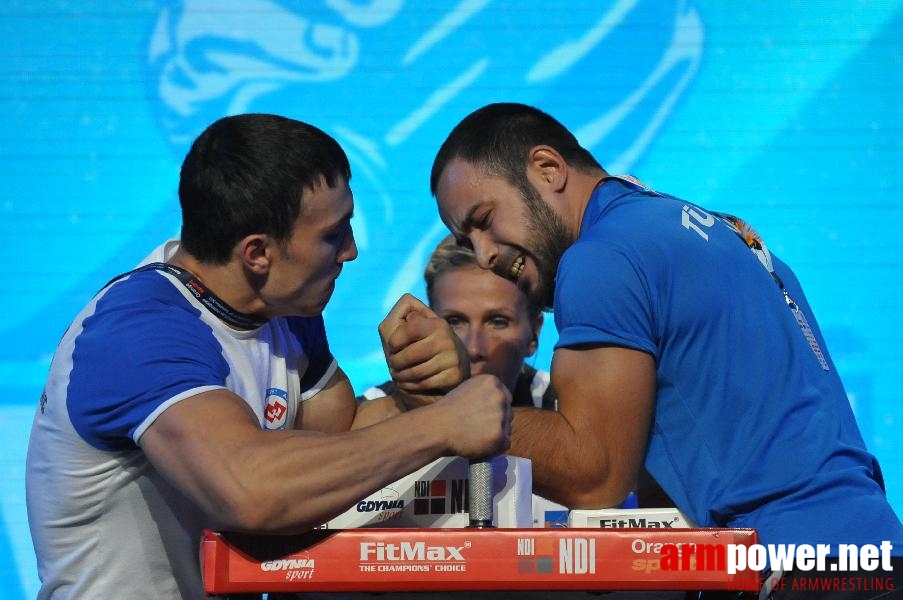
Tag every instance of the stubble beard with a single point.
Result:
(550, 240)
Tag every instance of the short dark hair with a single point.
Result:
(449, 256)
(498, 139)
(246, 174)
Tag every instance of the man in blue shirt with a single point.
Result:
(685, 345)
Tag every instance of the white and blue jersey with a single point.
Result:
(103, 520)
(752, 426)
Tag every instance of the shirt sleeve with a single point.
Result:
(133, 359)
(311, 334)
(602, 297)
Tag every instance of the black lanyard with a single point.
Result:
(754, 242)
(211, 301)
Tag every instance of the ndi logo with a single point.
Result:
(535, 555)
(441, 497)
(576, 555)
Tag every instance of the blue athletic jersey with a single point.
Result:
(749, 429)
(157, 347)
(104, 522)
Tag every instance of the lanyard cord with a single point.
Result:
(754, 242)
(211, 301)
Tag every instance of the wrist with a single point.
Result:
(411, 400)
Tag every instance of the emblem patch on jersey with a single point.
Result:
(277, 409)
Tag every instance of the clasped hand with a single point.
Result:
(424, 355)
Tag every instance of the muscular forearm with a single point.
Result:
(376, 410)
(472, 421)
(569, 466)
(588, 454)
(212, 449)
(323, 475)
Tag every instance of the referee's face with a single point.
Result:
(489, 314)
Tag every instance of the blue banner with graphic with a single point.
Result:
(786, 114)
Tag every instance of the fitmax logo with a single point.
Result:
(636, 523)
(411, 551)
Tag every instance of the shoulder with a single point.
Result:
(632, 220)
(144, 318)
(635, 239)
(146, 302)
(140, 345)
(162, 253)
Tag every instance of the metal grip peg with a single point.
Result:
(480, 493)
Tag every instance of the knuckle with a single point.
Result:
(394, 361)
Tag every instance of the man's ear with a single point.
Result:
(255, 252)
(547, 169)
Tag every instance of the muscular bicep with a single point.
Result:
(607, 395)
(330, 410)
(204, 446)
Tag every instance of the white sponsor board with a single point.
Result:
(632, 518)
(437, 496)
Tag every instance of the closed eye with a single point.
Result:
(483, 221)
(478, 217)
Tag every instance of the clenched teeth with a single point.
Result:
(517, 267)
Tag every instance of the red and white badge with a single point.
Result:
(276, 412)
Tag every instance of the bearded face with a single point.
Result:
(551, 240)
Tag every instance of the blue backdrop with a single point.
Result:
(786, 113)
